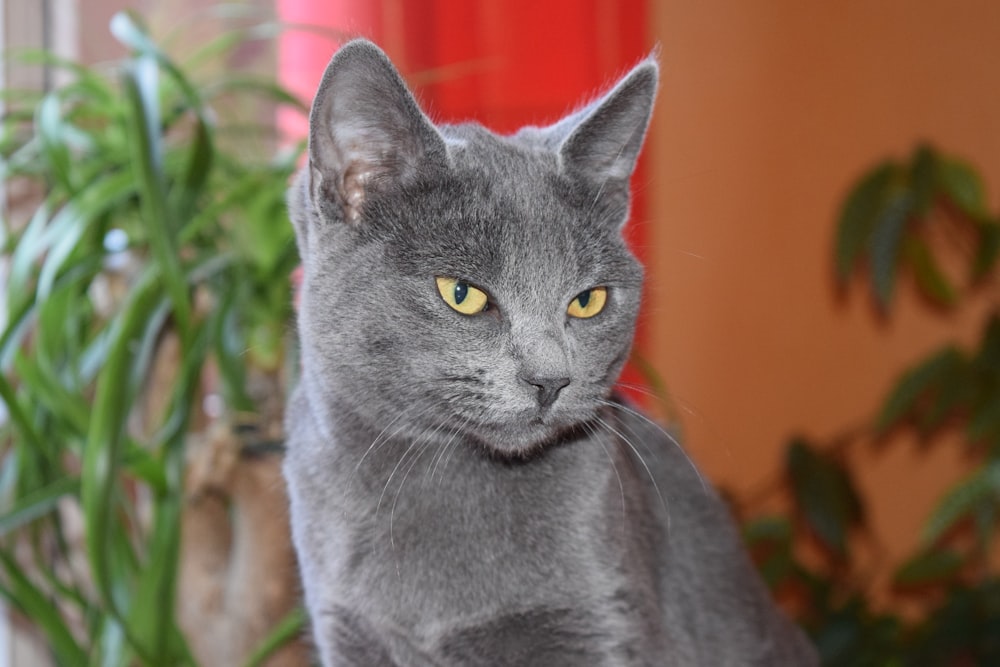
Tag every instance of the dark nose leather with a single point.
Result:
(548, 389)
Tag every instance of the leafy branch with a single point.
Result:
(927, 218)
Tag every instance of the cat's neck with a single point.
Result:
(373, 461)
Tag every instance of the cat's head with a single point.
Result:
(461, 285)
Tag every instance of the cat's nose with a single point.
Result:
(548, 389)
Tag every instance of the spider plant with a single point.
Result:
(157, 218)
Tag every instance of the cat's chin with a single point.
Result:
(526, 441)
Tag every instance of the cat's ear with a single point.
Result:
(601, 142)
(366, 132)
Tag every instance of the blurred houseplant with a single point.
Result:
(925, 218)
(150, 280)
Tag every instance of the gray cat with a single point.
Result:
(466, 489)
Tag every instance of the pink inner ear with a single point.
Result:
(352, 190)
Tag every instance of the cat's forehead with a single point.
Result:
(503, 159)
(505, 216)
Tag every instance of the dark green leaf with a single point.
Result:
(886, 244)
(858, 217)
(987, 250)
(915, 385)
(923, 179)
(929, 567)
(962, 500)
(961, 184)
(768, 530)
(824, 493)
(199, 166)
(984, 421)
(931, 281)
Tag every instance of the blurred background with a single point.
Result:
(773, 336)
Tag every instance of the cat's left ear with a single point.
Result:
(366, 132)
(602, 140)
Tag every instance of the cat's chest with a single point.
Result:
(465, 540)
(459, 575)
(465, 544)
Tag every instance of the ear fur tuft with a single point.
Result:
(365, 131)
(602, 140)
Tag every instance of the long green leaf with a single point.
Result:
(111, 645)
(55, 146)
(199, 166)
(126, 27)
(157, 579)
(70, 409)
(100, 197)
(31, 247)
(103, 450)
(37, 504)
(23, 425)
(288, 629)
(24, 594)
(140, 90)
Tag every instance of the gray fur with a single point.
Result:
(443, 512)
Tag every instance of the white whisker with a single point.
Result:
(649, 472)
(454, 448)
(436, 463)
(399, 491)
(650, 451)
(621, 487)
(381, 438)
(670, 438)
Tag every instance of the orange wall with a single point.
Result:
(767, 112)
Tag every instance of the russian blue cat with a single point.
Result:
(466, 488)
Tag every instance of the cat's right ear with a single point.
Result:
(366, 132)
(602, 141)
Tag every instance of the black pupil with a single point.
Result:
(583, 299)
(461, 291)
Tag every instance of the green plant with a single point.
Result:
(153, 225)
(925, 218)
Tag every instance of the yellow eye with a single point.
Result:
(588, 303)
(462, 296)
